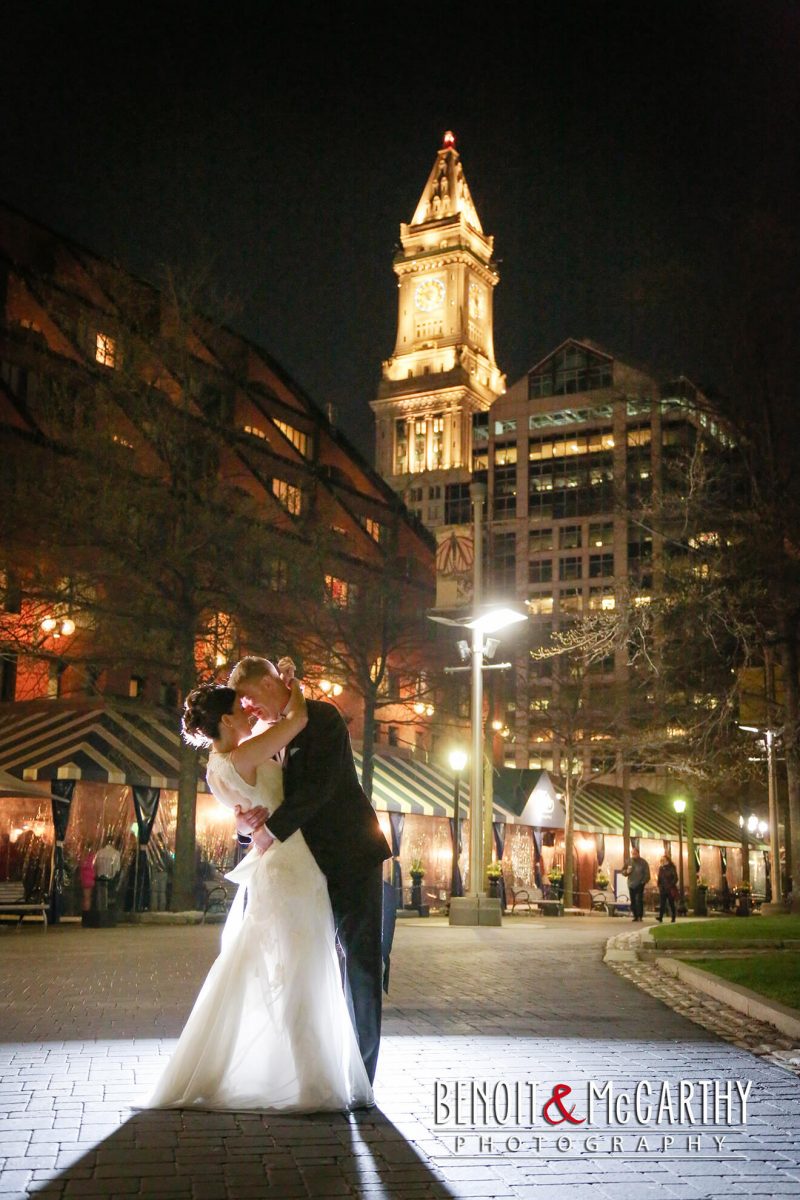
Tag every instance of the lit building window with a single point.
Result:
(602, 598)
(298, 439)
(437, 447)
(420, 437)
(505, 455)
(254, 431)
(540, 539)
(400, 446)
(569, 537)
(502, 427)
(601, 534)
(570, 600)
(289, 496)
(540, 605)
(339, 592)
(105, 351)
(574, 369)
(373, 528)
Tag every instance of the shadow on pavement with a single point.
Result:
(219, 1155)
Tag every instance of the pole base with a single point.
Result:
(475, 910)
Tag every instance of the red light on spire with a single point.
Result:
(449, 140)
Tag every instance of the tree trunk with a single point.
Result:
(368, 744)
(791, 698)
(184, 880)
(626, 814)
(745, 856)
(691, 861)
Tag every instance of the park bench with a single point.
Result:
(534, 899)
(607, 901)
(219, 896)
(14, 903)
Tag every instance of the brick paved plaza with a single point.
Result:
(88, 1015)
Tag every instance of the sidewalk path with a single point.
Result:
(86, 1017)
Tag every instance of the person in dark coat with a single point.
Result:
(667, 887)
(638, 874)
(323, 798)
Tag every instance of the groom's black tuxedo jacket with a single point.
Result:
(322, 796)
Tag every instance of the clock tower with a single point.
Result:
(442, 371)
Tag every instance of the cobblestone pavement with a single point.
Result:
(87, 1017)
(721, 1019)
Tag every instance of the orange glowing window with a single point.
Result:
(288, 495)
(339, 592)
(105, 351)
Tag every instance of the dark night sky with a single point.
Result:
(614, 150)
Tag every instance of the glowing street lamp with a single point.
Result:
(55, 628)
(491, 620)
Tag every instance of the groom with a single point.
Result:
(322, 796)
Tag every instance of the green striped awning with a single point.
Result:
(598, 809)
(409, 786)
(96, 741)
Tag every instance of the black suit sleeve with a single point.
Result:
(325, 752)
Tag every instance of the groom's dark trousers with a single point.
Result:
(323, 798)
(357, 913)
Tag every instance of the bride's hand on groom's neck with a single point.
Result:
(297, 709)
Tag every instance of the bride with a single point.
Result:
(270, 1028)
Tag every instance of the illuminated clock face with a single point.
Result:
(429, 294)
(475, 301)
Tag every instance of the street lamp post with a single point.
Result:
(774, 845)
(680, 808)
(458, 760)
(475, 908)
(770, 735)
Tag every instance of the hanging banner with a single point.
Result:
(61, 791)
(455, 552)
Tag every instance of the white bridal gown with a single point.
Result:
(270, 1029)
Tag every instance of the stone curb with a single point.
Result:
(786, 1019)
(625, 947)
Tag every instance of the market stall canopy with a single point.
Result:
(411, 786)
(10, 786)
(599, 807)
(97, 742)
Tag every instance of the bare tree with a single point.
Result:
(359, 621)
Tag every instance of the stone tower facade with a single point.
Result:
(443, 370)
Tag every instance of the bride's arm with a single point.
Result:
(249, 754)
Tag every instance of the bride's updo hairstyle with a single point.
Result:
(202, 711)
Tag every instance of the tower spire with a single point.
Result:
(446, 193)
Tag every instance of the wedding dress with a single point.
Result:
(270, 1028)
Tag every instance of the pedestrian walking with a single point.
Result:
(638, 874)
(667, 887)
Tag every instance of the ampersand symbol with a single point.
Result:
(560, 1091)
